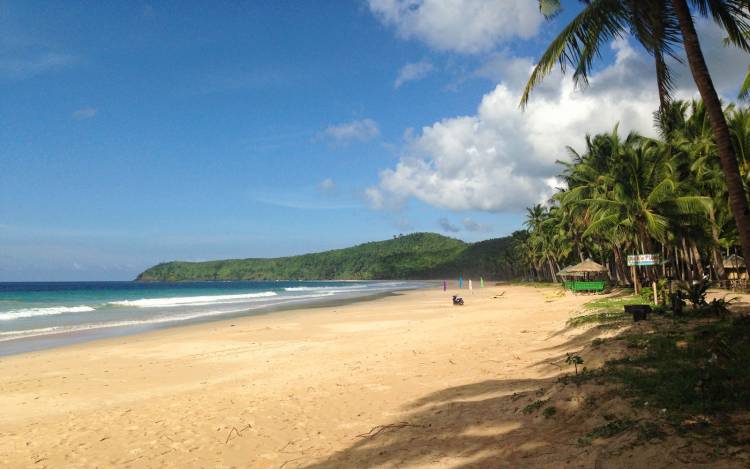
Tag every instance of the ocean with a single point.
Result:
(38, 315)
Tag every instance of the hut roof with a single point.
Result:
(586, 266)
(565, 272)
(734, 262)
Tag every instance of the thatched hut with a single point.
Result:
(735, 267)
(586, 276)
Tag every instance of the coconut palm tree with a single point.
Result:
(659, 25)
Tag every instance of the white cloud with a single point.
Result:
(447, 226)
(327, 185)
(467, 26)
(358, 130)
(16, 67)
(503, 159)
(471, 225)
(412, 72)
(375, 198)
(84, 113)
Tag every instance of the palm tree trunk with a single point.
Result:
(686, 261)
(727, 158)
(551, 269)
(697, 258)
(622, 271)
(715, 254)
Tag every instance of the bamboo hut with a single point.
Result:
(735, 267)
(586, 276)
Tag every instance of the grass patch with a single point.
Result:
(549, 411)
(537, 284)
(607, 310)
(689, 374)
(600, 317)
(615, 302)
(534, 406)
(647, 430)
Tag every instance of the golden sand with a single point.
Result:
(319, 386)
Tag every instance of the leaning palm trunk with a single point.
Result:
(697, 258)
(686, 261)
(715, 255)
(551, 269)
(702, 78)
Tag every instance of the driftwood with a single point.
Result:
(377, 430)
(239, 432)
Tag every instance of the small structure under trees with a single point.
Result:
(584, 276)
(735, 267)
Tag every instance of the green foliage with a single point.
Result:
(719, 307)
(647, 430)
(549, 411)
(534, 406)
(415, 256)
(699, 371)
(614, 303)
(627, 194)
(575, 360)
(695, 293)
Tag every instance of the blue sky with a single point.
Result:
(133, 133)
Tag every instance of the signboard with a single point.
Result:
(643, 259)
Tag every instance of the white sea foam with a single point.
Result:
(34, 312)
(330, 288)
(191, 300)
(12, 335)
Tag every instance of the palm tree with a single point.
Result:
(659, 25)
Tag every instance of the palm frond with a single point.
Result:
(579, 42)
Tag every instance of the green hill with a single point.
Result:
(415, 256)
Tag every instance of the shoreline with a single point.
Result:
(293, 388)
(57, 339)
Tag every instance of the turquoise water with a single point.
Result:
(37, 315)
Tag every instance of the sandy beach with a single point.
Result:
(406, 380)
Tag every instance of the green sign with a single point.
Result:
(640, 260)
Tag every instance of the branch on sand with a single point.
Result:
(377, 430)
(239, 432)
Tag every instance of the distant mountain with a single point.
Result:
(414, 256)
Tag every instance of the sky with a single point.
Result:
(133, 133)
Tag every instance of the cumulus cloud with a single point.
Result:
(327, 186)
(447, 226)
(84, 113)
(503, 159)
(358, 130)
(466, 26)
(412, 72)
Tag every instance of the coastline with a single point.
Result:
(263, 390)
(55, 339)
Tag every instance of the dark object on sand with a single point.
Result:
(639, 312)
(458, 301)
(677, 303)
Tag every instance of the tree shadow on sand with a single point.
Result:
(476, 425)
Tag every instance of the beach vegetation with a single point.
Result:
(575, 360)
(534, 406)
(693, 374)
(644, 212)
